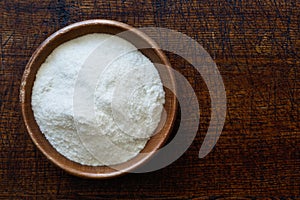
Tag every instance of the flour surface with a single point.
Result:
(128, 102)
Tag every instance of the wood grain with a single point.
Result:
(256, 47)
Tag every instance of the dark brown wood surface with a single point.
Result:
(256, 47)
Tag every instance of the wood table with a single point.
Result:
(255, 45)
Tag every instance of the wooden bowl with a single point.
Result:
(73, 31)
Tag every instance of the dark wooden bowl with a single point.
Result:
(73, 31)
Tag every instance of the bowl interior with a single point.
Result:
(73, 31)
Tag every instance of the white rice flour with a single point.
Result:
(128, 101)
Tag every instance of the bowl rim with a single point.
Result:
(26, 103)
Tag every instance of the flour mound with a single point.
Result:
(128, 102)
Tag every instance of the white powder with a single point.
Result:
(128, 101)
